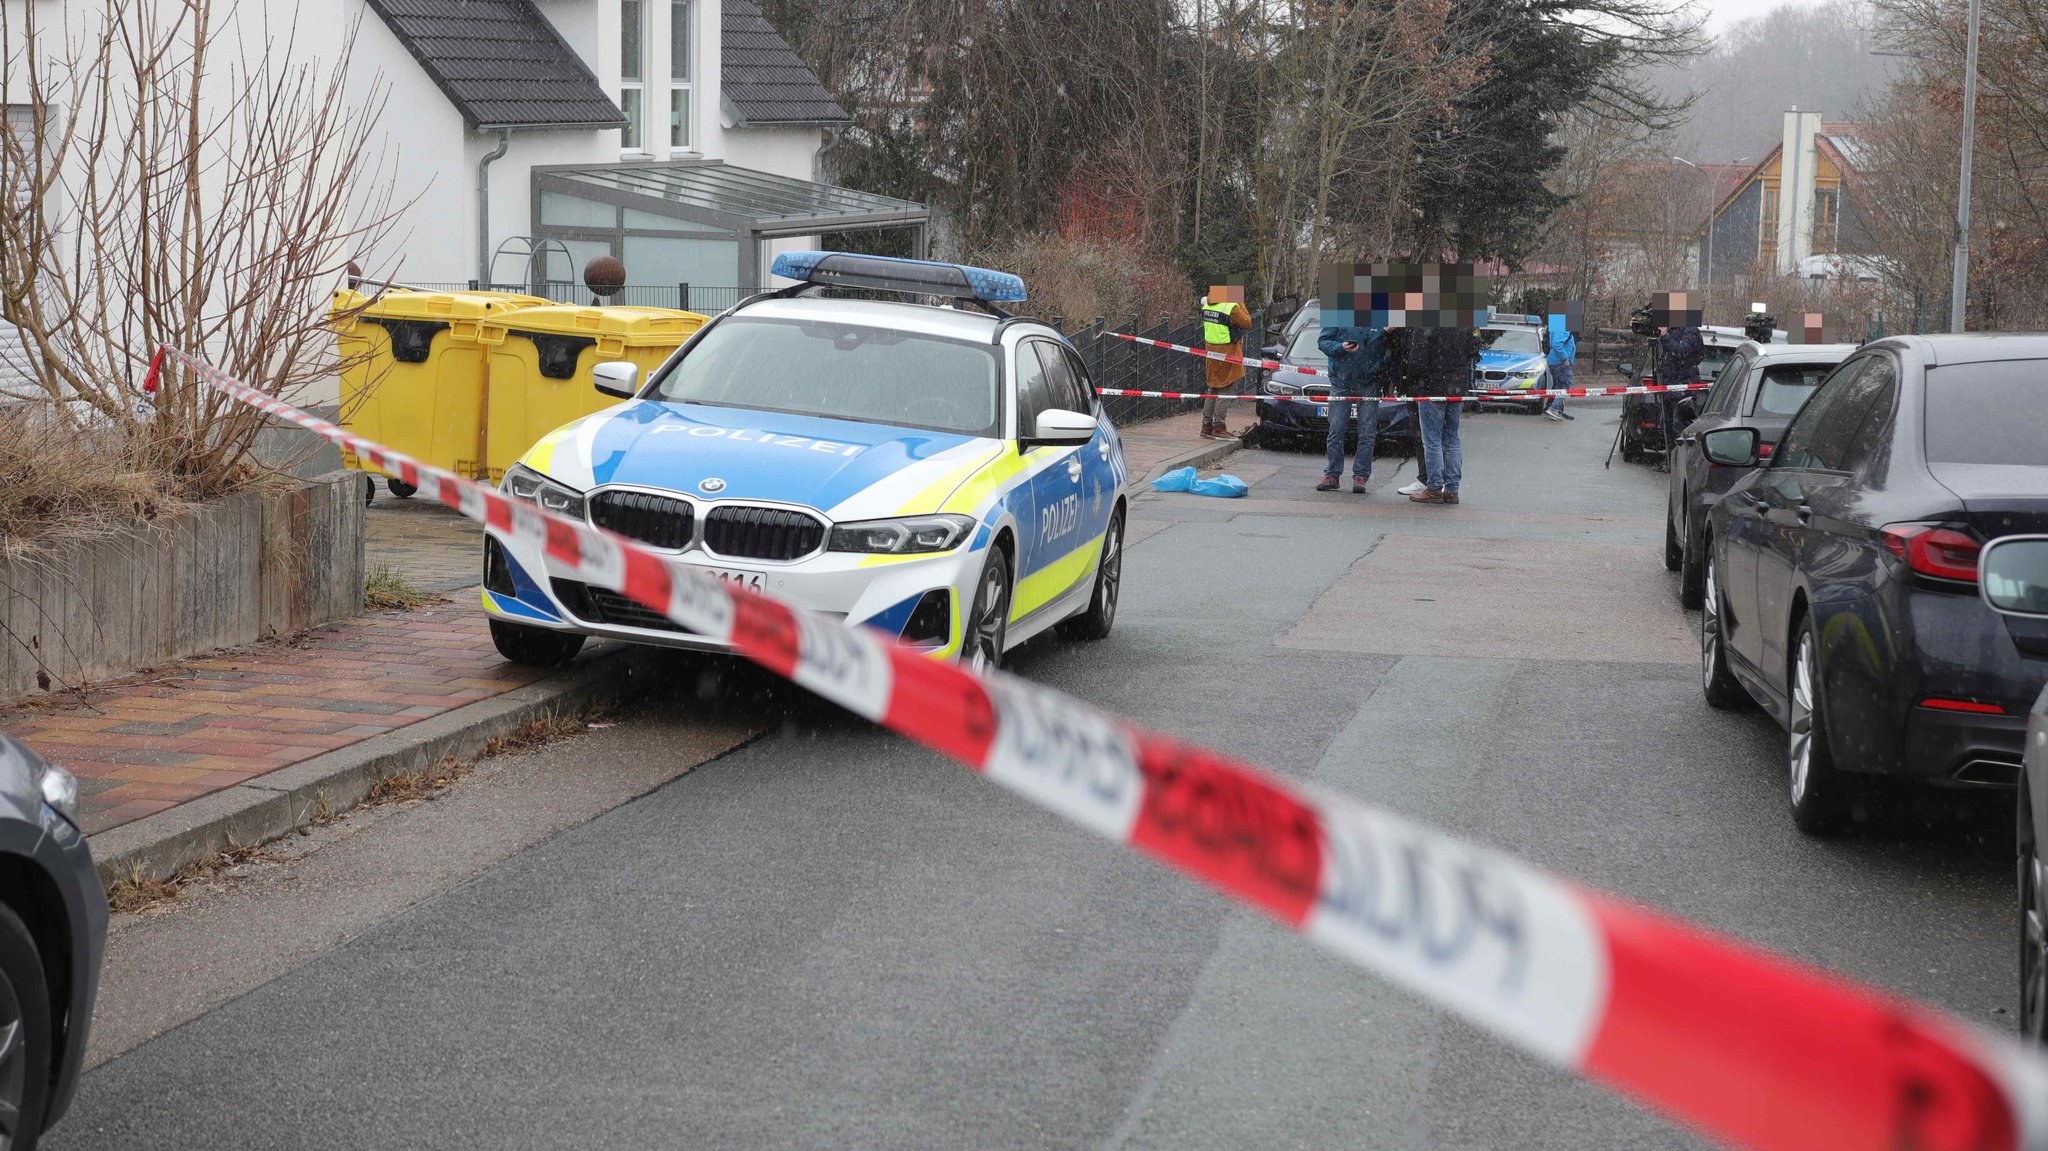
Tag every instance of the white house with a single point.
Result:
(681, 136)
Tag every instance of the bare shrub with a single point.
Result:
(174, 180)
(1082, 279)
(60, 483)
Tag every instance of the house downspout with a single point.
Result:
(483, 207)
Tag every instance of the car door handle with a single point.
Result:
(1804, 512)
(1102, 449)
(1074, 470)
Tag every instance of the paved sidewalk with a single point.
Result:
(173, 735)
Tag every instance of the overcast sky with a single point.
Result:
(1722, 13)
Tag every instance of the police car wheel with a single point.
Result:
(1109, 572)
(982, 647)
(534, 646)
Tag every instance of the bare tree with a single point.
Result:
(176, 185)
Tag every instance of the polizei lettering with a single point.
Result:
(1442, 905)
(746, 436)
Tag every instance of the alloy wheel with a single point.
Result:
(1800, 729)
(991, 607)
(13, 1074)
(1710, 625)
(1112, 574)
(2033, 946)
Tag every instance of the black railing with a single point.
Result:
(707, 299)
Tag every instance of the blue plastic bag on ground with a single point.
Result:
(1183, 480)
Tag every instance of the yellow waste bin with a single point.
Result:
(414, 368)
(541, 360)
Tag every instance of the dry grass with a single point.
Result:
(386, 590)
(59, 484)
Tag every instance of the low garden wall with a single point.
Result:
(253, 565)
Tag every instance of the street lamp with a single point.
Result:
(1707, 265)
(1959, 286)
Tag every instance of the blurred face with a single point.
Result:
(1226, 293)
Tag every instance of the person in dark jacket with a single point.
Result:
(1678, 362)
(1439, 362)
(1357, 357)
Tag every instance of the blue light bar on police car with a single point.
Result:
(888, 273)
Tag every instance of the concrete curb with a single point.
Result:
(1201, 455)
(274, 805)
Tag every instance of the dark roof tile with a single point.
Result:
(764, 77)
(500, 63)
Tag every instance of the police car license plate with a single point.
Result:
(749, 580)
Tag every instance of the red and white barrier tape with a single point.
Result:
(1480, 397)
(1752, 1049)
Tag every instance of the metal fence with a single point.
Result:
(708, 299)
(1113, 363)
(1122, 364)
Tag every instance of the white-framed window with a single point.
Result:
(633, 74)
(681, 24)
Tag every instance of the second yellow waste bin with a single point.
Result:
(413, 371)
(541, 360)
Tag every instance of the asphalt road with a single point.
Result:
(830, 938)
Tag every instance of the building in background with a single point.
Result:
(1794, 212)
(681, 136)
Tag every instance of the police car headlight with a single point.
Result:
(906, 536)
(523, 483)
(1276, 388)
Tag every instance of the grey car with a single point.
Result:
(53, 935)
(1762, 386)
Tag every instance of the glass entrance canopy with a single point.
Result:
(699, 222)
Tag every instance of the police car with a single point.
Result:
(944, 474)
(1511, 357)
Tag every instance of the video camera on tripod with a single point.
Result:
(1759, 324)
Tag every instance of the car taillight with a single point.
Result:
(1970, 706)
(1934, 551)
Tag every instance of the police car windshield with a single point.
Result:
(840, 371)
(1304, 349)
(1521, 341)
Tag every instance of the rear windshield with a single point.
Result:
(1786, 387)
(1988, 413)
(843, 372)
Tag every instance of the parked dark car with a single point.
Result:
(2013, 574)
(1763, 387)
(1841, 581)
(1294, 406)
(53, 934)
(1643, 417)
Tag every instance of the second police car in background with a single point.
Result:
(1511, 357)
(943, 474)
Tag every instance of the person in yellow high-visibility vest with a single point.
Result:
(1223, 317)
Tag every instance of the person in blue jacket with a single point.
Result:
(1560, 349)
(1357, 356)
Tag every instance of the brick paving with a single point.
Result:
(158, 739)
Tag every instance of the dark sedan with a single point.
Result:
(53, 934)
(1294, 405)
(1763, 387)
(2014, 577)
(1841, 581)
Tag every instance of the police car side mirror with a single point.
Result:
(1626, 369)
(1057, 426)
(1272, 351)
(616, 378)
